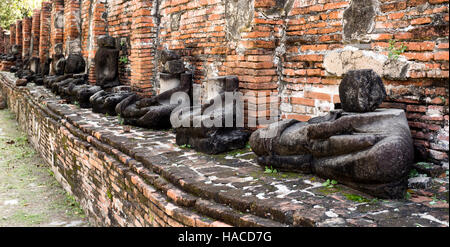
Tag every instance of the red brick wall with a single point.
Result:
(72, 26)
(19, 35)
(56, 29)
(26, 36)
(93, 26)
(12, 34)
(35, 32)
(314, 30)
(253, 55)
(44, 32)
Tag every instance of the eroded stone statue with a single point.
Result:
(104, 102)
(213, 139)
(106, 63)
(370, 150)
(154, 112)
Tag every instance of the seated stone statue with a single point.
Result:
(367, 149)
(55, 87)
(65, 90)
(34, 65)
(58, 61)
(15, 57)
(104, 102)
(50, 80)
(14, 53)
(106, 63)
(213, 139)
(74, 64)
(154, 112)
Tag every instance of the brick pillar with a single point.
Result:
(72, 26)
(35, 31)
(143, 47)
(44, 32)
(12, 34)
(56, 33)
(26, 36)
(93, 26)
(19, 37)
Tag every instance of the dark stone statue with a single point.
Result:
(45, 66)
(74, 64)
(58, 61)
(106, 63)
(82, 93)
(34, 65)
(213, 139)
(104, 102)
(154, 112)
(361, 91)
(16, 57)
(370, 151)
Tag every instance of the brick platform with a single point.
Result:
(142, 178)
(298, 50)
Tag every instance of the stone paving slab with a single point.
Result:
(236, 182)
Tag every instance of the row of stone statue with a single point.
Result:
(361, 146)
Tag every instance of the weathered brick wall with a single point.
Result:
(2, 41)
(317, 32)
(44, 32)
(26, 36)
(93, 14)
(296, 49)
(254, 55)
(35, 32)
(143, 46)
(19, 35)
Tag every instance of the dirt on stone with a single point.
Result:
(30, 196)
